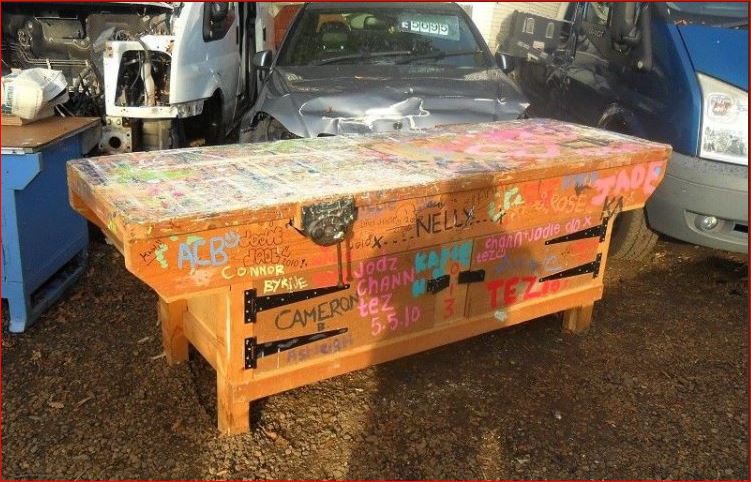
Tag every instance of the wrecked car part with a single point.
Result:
(143, 79)
(268, 129)
(378, 68)
(125, 93)
(315, 101)
(161, 134)
(117, 135)
(66, 37)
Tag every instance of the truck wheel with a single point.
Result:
(270, 129)
(212, 115)
(632, 239)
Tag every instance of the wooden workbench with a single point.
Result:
(290, 262)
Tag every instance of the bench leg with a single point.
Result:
(173, 337)
(233, 413)
(232, 408)
(577, 320)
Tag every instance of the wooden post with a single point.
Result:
(173, 336)
(233, 410)
(577, 320)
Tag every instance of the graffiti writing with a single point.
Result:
(637, 177)
(317, 314)
(287, 283)
(444, 220)
(323, 347)
(376, 281)
(197, 252)
(521, 288)
(410, 314)
(229, 272)
(155, 253)
(435, 262)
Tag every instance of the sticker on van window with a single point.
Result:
(442, 26)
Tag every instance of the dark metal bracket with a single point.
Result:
(591, 267)
(466, 277)
(439, 284)
(250, 352)
(254, 351)
(593, 232)
(255, 304)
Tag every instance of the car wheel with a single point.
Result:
(632, 239)
(270, 129)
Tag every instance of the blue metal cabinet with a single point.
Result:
(44, 242)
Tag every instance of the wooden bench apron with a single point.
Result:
(290, 262)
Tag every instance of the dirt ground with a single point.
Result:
(659, 388)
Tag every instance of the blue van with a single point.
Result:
(675, 72)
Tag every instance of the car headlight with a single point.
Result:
(724, 123)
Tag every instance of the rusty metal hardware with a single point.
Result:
(327, 224)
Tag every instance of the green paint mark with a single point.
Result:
(192, 239)
(160, 256)
(511, 198)
(173, 238)
(500, 315)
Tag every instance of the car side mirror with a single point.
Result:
(505, 62)
(262, 60)
(623, 26)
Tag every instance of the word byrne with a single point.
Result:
(287, 283)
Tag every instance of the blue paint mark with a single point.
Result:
(189, 252)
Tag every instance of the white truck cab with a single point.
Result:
(159, 74)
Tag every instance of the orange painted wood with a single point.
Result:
(173, 337)
(458, 232)
(577, 320)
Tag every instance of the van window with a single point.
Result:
(218, 18)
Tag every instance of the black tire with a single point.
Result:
(213, 127)
(177, 134)
(270, 129)
(632, 239)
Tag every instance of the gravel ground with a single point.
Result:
(658, 388)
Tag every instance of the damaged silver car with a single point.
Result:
(355, 68)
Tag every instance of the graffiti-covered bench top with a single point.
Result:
(140, 195)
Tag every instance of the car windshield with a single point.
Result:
(715, 13)
(382, 35)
